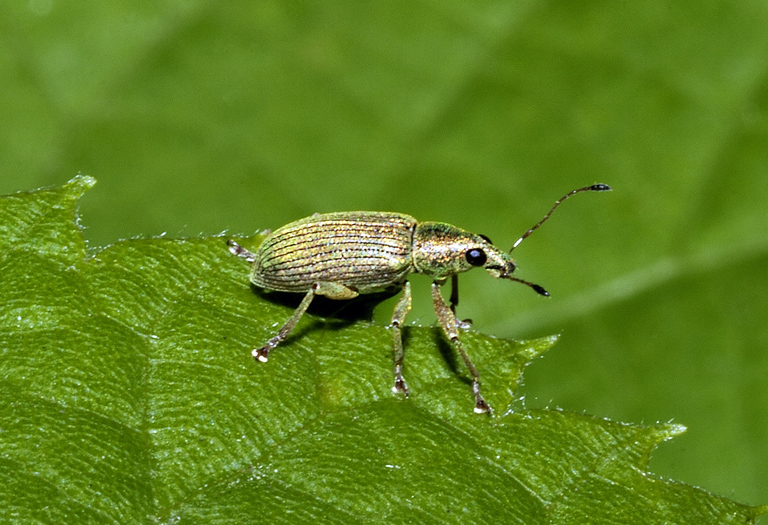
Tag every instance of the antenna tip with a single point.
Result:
(540, 290)
(600, 187)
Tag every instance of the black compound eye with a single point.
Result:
(476, 257)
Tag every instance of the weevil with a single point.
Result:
(342, 255)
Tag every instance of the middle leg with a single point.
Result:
(398, 316)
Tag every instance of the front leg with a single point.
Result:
(450, 326)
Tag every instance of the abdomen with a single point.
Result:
(364, 250)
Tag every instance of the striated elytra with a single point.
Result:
(342, 255)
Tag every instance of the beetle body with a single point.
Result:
(368, 252)
(341, 255)
(365, 251)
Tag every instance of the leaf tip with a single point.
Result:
(537, 347)
(666, 431)
(79, 184)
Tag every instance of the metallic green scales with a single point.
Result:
(367, 251)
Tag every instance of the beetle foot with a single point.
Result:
(236, 249)
(400, 386)
(465, 324)
(261, 354)
(481, 406)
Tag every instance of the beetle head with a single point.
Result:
(441, 250)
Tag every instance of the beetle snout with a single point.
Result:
(501, 268)
(507, 269)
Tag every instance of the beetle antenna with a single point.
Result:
(536, 288)
(594, 187)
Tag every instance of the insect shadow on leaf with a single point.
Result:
(336, 315)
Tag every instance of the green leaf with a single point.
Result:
(129, 395)
(199, 117)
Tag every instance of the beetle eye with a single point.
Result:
(476, 257)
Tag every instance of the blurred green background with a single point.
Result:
(203, 117)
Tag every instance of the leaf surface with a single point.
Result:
(129, 395)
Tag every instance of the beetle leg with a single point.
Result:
(262, 353)
(336, 291)
(466, 323)
(450, 326)
(454, 292)
(236, 249)
(398, 316)
(328, 289)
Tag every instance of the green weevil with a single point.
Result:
(342, 255)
